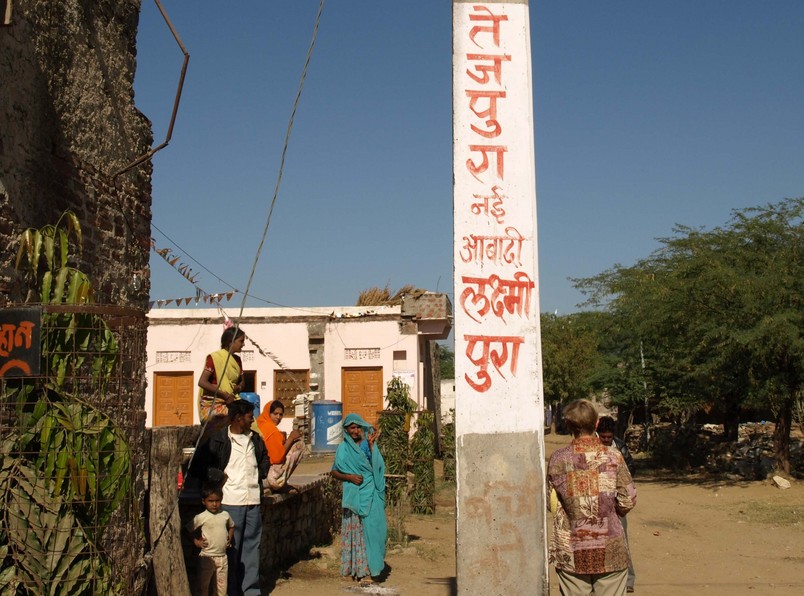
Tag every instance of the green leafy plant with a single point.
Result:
(70, 336)
(422, 495)
(50, 550)
(448, 448)
(395, 448)
(66, 467)
(47, 251)
(393, 442)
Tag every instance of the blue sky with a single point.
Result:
(646, 114)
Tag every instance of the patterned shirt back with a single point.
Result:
(594, 486)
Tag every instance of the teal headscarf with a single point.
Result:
(368, 499)
(351, 459)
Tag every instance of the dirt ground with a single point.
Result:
(689, 535)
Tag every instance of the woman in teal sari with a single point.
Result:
(359, 465)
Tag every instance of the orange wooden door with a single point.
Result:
(361, 392)
(173, 398)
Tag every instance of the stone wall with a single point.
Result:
(68, 125)
(292, 524)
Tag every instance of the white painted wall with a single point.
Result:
(344, 336)
(352, 338)
(447, 399)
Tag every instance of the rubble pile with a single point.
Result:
(749, 458)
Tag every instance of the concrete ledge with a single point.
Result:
(301, 482)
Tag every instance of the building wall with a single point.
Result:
(363, 343)
(447, 399)
(68, 124)
(350, 339)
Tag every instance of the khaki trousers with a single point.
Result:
(211, 576)
(599, 584)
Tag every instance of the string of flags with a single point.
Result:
(174, 261)
(212, 299)
(187, 273)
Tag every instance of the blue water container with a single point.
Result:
(327, 426)
(253, 398)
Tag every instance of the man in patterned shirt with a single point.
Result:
(594, 487)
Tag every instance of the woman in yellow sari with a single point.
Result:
(221, 379)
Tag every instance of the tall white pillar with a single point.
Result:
(499, 413)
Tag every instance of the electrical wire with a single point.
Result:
(275, 195)
(284, 153)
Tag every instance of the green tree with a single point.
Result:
(569, 356)
(446, 361)
(720, 315)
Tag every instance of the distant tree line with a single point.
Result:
(711, 321)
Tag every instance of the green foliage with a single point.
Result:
(45, 548)
(448, 448)
(67, 467)
(76, 340)
(47, 252)
(398, 396)
(393, 442)
(569, 356)
(69, 335)
(446, 362)
(422, 495)
(720, 315)
(394, 424)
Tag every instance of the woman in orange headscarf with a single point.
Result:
(285, 452)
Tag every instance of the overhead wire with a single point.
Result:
(223, 281)
(285, 146)
(286, 143)
(284, 151)
(276, 191)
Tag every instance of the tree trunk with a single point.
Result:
(731, 420)
(625, 416)
(781, 436)
(170, 574)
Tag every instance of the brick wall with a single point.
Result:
(68, 124)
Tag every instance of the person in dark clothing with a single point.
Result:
(605, 432)
(236, 459)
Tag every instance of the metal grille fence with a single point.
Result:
(72, 455)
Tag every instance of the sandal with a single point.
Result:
(365, 582)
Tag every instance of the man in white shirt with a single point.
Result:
(240, 456)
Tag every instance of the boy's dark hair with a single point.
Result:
(209, 489)
(606, 424)
(240, 407)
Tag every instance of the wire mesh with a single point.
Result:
(73, 456)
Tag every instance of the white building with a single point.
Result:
(346, 354)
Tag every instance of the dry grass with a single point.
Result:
(777, 514)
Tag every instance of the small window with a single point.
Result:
(400, 355)
(249, 381)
